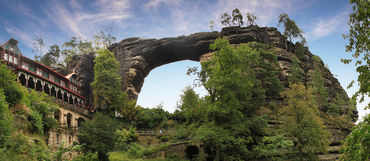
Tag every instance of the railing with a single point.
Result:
(154, 132)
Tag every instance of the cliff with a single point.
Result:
(139, 56)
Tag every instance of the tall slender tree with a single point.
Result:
(302, 123)
(108, 95)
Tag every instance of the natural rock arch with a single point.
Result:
(139, 56)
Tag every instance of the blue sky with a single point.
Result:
(56, 21)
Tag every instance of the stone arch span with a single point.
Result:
(138, 56)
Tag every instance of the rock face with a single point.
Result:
(83, 66)
(139, 56)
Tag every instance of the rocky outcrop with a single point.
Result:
(139, 56)
(83, 66)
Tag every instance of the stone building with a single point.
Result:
(65, 91)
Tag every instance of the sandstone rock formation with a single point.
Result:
(138, 57)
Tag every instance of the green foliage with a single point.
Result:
(104, 39)
(300, 50)
(37, 46)
(51, 57)
(237, 17)
(302, 123)
(149, 118)
(231, 126)
(225, 19)
(86, 157)
(319, 91)
(9, 85)
(190, 104)
(359, 42)
(62, 149)
(275, 148)
(125, 138)
(291, 30)
(357, 144)
(295, 72)
(6, 128)
(251, 18)
(108, 95)
(97, 135)
(267, 71)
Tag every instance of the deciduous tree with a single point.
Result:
(237, 17)
(251, 18)
(97, 135)
(291, 30)
(225, 19)
(302, 123)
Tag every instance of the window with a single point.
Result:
(11, 58)
(32, 69)
(62, 83)
(45, 74)
(15, 60)
(16, 51)
(57, 80)
(12, 49)
(6, 57)
(51, 77)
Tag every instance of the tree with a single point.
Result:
(291, 30)
(237, 17)
(38, 46)
(97, 135)
(225, 19)
(5, 122)
(295, 76)
(359, 42)
(319, 91)
(107, 83)
(232, 127)
(251, 18)
(104, 39)
(9, 85)
(211, 25)
(190, 105)
(356, 145)
(302, 123)
(51, 57)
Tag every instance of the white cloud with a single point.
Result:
(154, 4)
(20, 35)
(83, 20)
(327, 26)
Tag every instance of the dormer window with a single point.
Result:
(12, 49)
